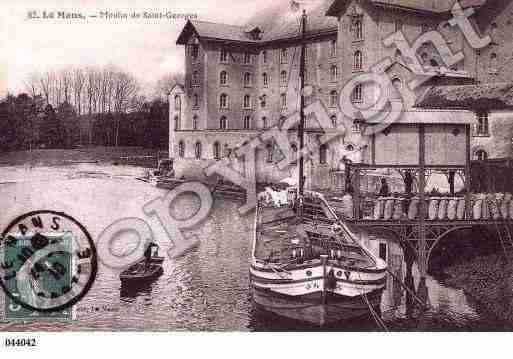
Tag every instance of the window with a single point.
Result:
(265, 79)
(284, 56)
(358, 60)
(383, 251)
(395, 91)
(357, 94)
(398, 25)
(177, 122)
(247, 122)
(264, 123)
(194, 122)
(223, 56)
(247, 79)
(356, 128)
(283, 101)
(270, 152)
(333, 98)
(282, 120)
(247, 58)
(194, 51)
(181, 149)
(264, 56)
(323, 154)
(178, 103)
(217, 151)
(283, 77)
(333, 119)
(493, 61)
(195, 100)
(263, 101)
(195, 77)
(223, 78)
(424, 28)
(334, 73)
(293, 147)
(247, 101)
(223, 101)
(358, 28)
(481, 155)
(223, 123)
(197, 150)
(482, 128)
(398, 55)
(333, 48)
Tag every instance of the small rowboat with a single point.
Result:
(140, 272)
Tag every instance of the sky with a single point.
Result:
(145, 47)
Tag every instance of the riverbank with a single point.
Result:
(59, 157)
(487, 280)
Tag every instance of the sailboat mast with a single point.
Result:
(301, 127)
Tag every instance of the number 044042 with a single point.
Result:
(17, 342)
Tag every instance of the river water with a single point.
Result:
(207, 288)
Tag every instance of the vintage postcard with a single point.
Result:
(274, 165)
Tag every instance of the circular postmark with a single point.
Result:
(48, 261)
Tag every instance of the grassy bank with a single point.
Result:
(488, 280)
(57, 157)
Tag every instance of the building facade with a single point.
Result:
(242, 80)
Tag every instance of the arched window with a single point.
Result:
(349, 148)
(283, 77)
(247, 79)
(177, 122)
(481, 155)
(197, 150)
(223, 101)
(178, 103)
(323, 154)
(395, 91)
(265, 79)
(424, 28)
(223, 123)
(195, 77)
(357, 94)
(333, 48)
(333, 98)
(264, 56)
(181, 149)
(398, 55)
(263, 101)
(283, 101)
(284, 56)
(194, 122)
(217, 150)
(358, 60)
(358, 28)
(223, 56)
(333, 119)
(223, 78)
(195, 100)
(357, 127)
(264, 122)
(247, 58)
(282, 121)
(247, 101)
(247, 122)
(334, 73)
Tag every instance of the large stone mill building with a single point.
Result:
(241, 80)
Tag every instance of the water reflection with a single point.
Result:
(208, 288)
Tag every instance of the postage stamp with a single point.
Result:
(49, 263)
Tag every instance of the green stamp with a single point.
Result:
(52, 272)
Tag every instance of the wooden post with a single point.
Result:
(422, 205)
(356, 193)
(468, 173)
